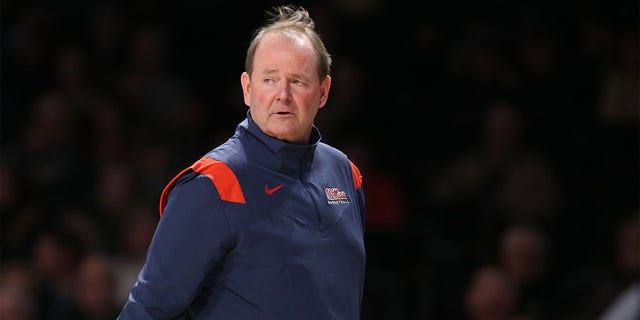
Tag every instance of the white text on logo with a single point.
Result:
(335, 196)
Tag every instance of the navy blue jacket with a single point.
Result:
(257, 229)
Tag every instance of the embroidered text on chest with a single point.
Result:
(336, 196)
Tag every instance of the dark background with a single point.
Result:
(466, 118)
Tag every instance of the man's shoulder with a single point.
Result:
(330, 151)
(222, 176)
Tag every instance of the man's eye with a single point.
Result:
(268, 80)
(296, 82)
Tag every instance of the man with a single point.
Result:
(270, 224)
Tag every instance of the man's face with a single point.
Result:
(284, 92)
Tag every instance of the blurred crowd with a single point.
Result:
(498, 143)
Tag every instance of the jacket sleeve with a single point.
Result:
(192, 236)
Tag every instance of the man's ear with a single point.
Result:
(325, 85)
(245, 82)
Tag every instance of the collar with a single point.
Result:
(286, 156)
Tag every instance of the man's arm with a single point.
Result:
(191, 237)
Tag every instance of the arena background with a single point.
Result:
(498, 142)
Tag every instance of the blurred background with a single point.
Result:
(498, 142)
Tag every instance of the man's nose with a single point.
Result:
(284, 92)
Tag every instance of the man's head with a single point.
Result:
(287, 19)
(287, 77)
(523, 254)
(490, 295)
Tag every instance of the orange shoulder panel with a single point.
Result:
(357, 176)
(219, 173)
(222, 177)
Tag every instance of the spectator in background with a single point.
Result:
(106, 42)
(490, 296)
(522, 256)
(57, 254)
(71, 77)
(114, 191)
(515, 285)
(50, 146)
(95, 294)
(17, 300)
(148, 85)
(501, 182)
(620, 91)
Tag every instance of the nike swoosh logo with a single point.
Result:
(272, 190)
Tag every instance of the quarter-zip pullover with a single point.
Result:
(258, 228)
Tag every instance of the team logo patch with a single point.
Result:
(335, 196)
